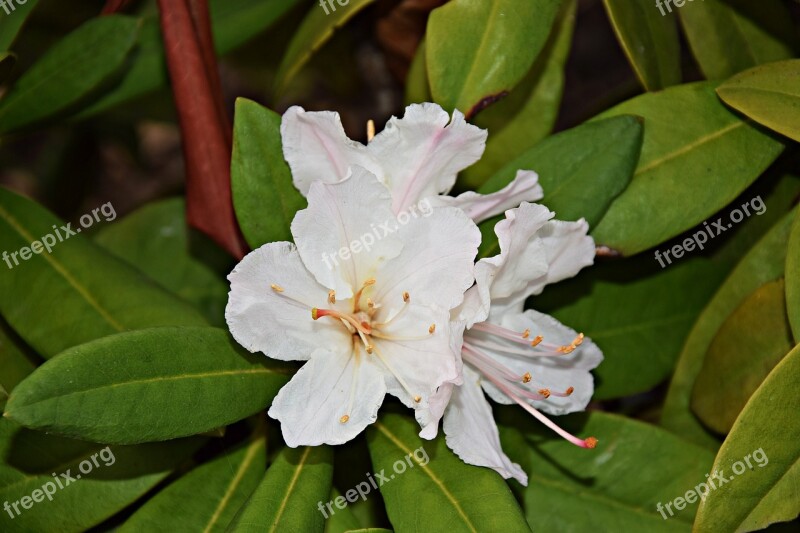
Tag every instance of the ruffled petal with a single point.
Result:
(557, 373)
(429, 417)
(436, 263)
(278, 324)
(479, 207)
(421, 153)
(317, 148)
(339, 235)
(471, 431)
(327, 388)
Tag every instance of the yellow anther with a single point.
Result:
(276, 288)
(370, 130)
(314, 313)
(417, 399)
(578, 340)
(370, 348)
(370, 281)
(537, 340)
(432, 329)
(526, 377)
(406, 297)
(569, 391)
(526, 334)
(370, 303)
(591, 442)
(545, 392)
(332, 297)
(344, 419)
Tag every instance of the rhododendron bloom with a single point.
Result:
(516, 356)
(417, 157)
(374, 322)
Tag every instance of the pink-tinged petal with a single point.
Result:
(416, 351)
(436, 263)
(479, 207)
(472, 433)
(317, 148)
(430, 416)
(330, 400)
(421, 153)
(277, 321)
(338, 235)
(557, 373)
(473, 309)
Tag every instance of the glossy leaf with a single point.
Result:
(769, 94)
(528, 114)
(79, 64)
(417, 86)
(649, 40)
(233, 23)
(207, 498)
(495, 45)
(30, 460)
(77, 292)
(581, 171)
(7, 62)
(11, 23)
(753, 339)
(766, 433)
(457, 496)
(263, 194)
(148, 385)
(155, 239)
(689, 168)
(286, 499)
(728, 36)
(15, 364)
(316, 29)
(634, 468)
(764, 263)
(793, 279)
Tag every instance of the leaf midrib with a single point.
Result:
(300, 465)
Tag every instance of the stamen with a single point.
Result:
(578, 340)
(395, 374)
(537, 340)
(432, 329)
(482, 361)
(370, 303)
(317, 313)
(417, 399)
(526, 377)
(332, 297)
(406, 297)
(276, 288)
(500, 332)
(509, 350)
(370, 348)
(545, 392)
(526, 333)
(357, 297)
(370, 130)
(344, 419)
(564, 394)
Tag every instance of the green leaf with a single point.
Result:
(208, 497)
(581, 171)
(342, 520)
(77, 292)
(764, 263)
(148, 385)
(793, 278)
(753, 339)
(634, 468)
(7, 62)
(495, 45)
(263, 194)
(122, 474)
(688, 170)
(233, 23)
(529, 113)
(637, 313)
(457, 496)
(155, 239)
(11, 24)
(418, 89)
(15, 364)
(765, 431)
(649, 40)
(728, 36)
(70, 71)
(316, 29)
(285, 499)
(769, 94)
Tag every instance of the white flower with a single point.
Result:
(376, 322)
(416, 157)
(517, 356)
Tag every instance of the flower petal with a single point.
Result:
(472, 432)
(278, 324)
(479, 207)
(311, 406)
(557, 373)
(429, 417)
(417, 354)
(421, 154)
(317, 148)
(436, 263)
(338, 235)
